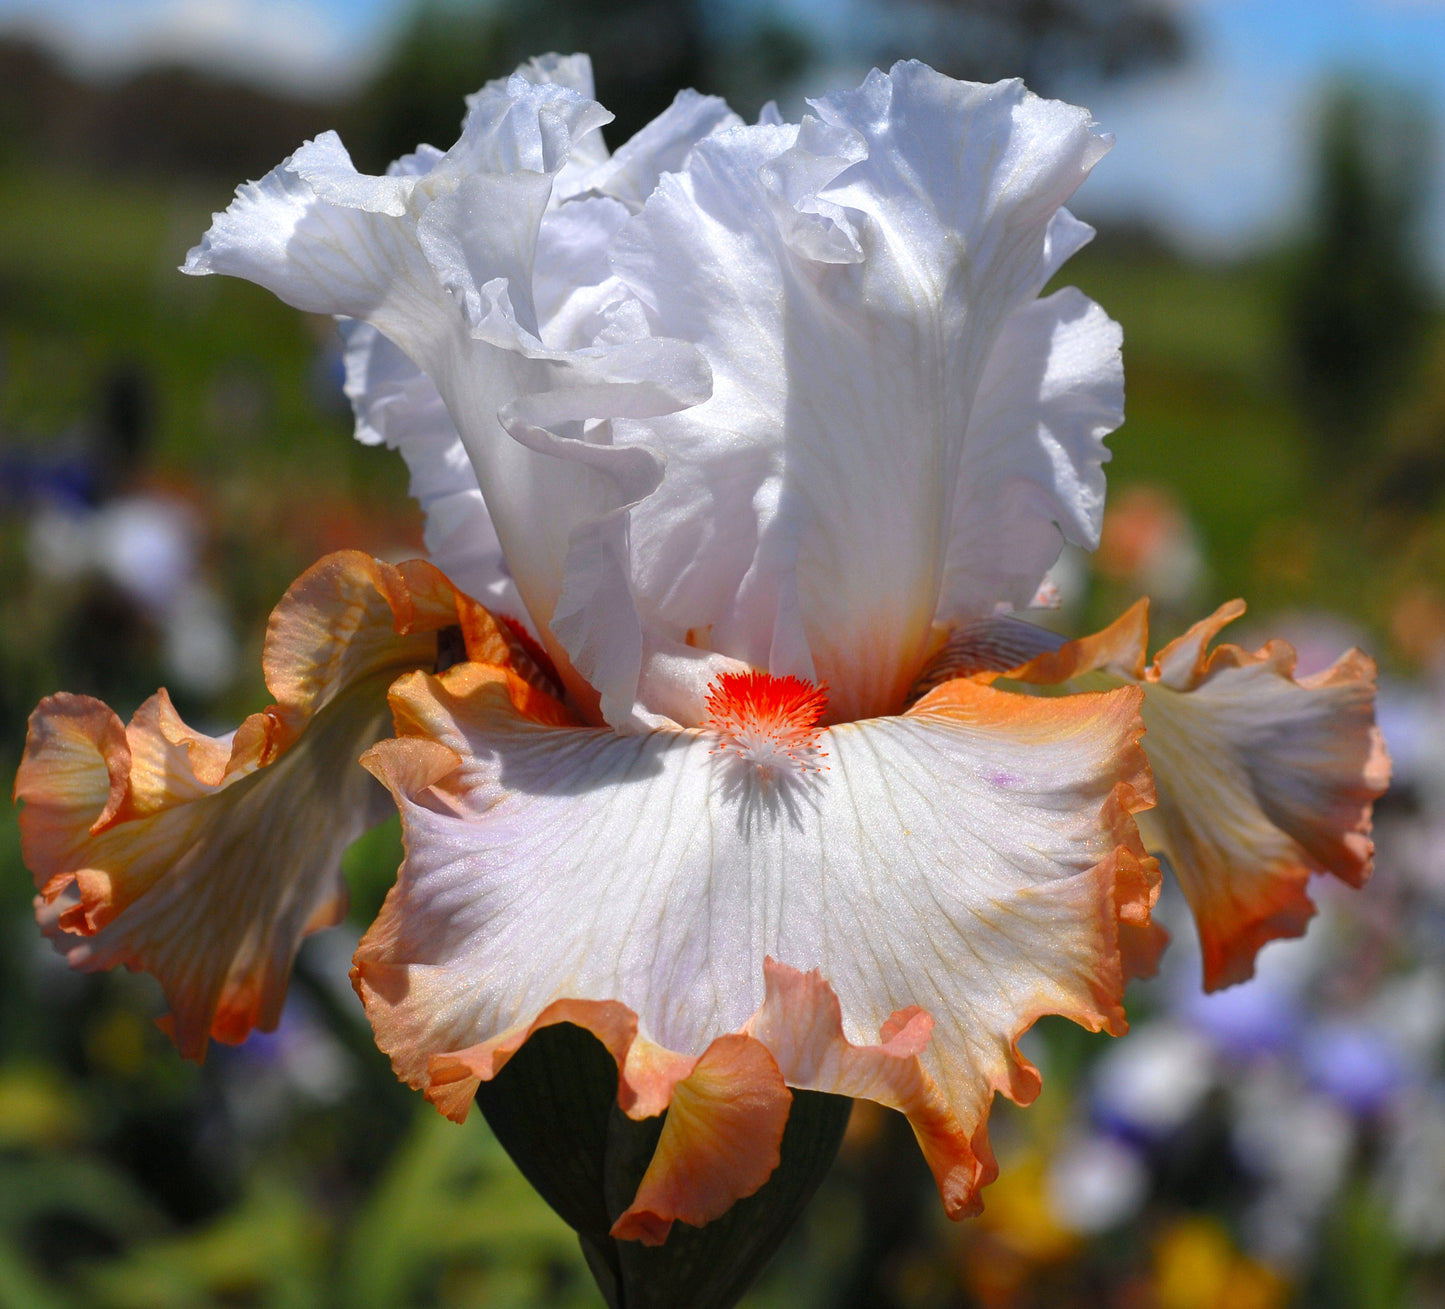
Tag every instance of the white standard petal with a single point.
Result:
(573, 71)
(322, 237)
(632, 174)
(848, 281)
(1032, 472)
(440, 256)
(397, 405)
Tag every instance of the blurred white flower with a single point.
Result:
(1152, 1084)
(1096, 1182)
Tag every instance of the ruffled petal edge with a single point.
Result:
(1265, 779)
(799, 1023)
(180, 854)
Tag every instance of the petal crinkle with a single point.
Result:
(977, 857)
(205, 860)
(1263, 778)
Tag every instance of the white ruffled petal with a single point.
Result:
(573, 283)
(975, 857)
(397, 405)
(848, 281)
(574, 72)
(632, 174)
(557, 483)
(331, 253)
(440, 257)
(840, 286)
(1032, 471)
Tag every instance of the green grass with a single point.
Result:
(89, 277)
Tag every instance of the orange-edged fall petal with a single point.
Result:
(1263, 778)
(801, 1023)
(205, 860)
(977, 857)
(720, 1142)
(1123, 886)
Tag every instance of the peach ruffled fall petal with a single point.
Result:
(977, 855)
(801, 1023)
(720, 1142)
(205, 860)
(1263, 778)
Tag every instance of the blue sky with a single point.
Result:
(1216, 151)
(287, 43)
(1219, 150)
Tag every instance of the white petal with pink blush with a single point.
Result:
(974, 857)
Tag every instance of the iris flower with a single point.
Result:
(712, 721)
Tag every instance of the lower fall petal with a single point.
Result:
(203, 860)
(1263, 778)
(726, 1110)
(720, 1142)
(801, 1023)
(977, 858)
(554, 1109)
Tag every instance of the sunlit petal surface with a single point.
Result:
(974, 857)
(1263, 778)
(204, 860)
(778, 396)
(849, 281)
(753, 439)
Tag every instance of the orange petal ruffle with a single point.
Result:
(721, 1141)
(1263, 778)
(726, 1109)
(725, 937)
(205, 860)
(801, 1023)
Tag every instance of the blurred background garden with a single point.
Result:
(173, 452)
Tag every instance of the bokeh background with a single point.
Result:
(173, 452)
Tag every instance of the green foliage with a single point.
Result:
(1358, 305)
(453, 1222)
(268, 1251)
